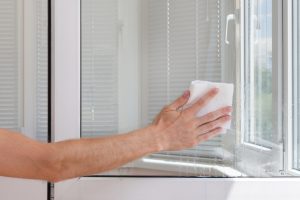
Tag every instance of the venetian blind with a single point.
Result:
(183, 43)
(99, 92)
(12, 68)
(10, 91)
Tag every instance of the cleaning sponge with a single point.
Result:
(222, 99)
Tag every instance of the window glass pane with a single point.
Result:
(183, 41)
(189, 54)
(24, 67)
(258, 73)
(296, 85)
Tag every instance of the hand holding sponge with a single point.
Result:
(222, 99)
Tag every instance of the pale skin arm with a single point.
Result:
(171, 130)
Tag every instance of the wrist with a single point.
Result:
(156, 137)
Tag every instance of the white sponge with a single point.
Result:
(222, 99)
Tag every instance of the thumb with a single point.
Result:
(180, 101)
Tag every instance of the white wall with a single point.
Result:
(14, 189)
(182, 188)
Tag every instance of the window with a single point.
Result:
(24, 67)
(258, 73)
(261, 150)
(177, 41)
(296, 85)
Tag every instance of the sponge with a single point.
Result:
(222, 99)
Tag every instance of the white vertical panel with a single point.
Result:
(66, 69)
(99, 110)
(65, 76)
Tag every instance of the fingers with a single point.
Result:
(181, 101)
(211, 134)
(214, 124)
(202, 101)
(212, 116)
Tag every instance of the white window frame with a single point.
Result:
(253, 153)
(295, 51)
(66, 105)
(288, 87)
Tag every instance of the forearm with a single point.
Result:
(171, 130)
(88, 156)
(22, 157)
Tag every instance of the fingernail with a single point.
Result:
(229, 108)
(215, 90)
(186, 94)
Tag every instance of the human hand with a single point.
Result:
(177, 128)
